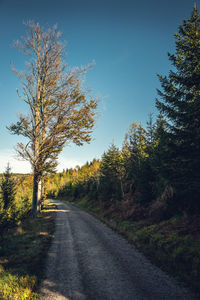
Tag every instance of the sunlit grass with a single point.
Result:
(17, 287)
(23, 251)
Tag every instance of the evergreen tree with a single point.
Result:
(111, 173)
(180, 103)
(160, 160)
(150, 135)
(134, 152)
(8, 188)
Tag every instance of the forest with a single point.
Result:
(149, 188)
(158, 164)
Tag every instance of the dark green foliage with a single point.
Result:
(150, 135)
(137, 153)
(111, 175)
(180, 105)
(134, 153)
(15, 199)
(8, 188)
(159, 157)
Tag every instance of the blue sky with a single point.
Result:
(128, 40)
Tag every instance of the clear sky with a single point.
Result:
(127, 39)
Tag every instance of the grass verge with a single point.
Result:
(23, 251)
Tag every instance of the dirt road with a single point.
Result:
(87, 260)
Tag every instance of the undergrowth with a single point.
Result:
(23, 251)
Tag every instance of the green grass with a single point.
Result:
(23, 252)
(173, 251)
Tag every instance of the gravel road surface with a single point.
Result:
(87, 260)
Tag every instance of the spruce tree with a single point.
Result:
(135, 155)
(111, 173)
(180, 104)
(8, 188)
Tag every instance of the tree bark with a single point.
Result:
(36, 178)
(35, 196)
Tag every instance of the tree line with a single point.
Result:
(159, 162)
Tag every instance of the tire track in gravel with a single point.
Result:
(87, 260)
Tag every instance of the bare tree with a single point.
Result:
(60, 110)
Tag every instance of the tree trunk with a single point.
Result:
(35, 196)
(122, 190)
(36, 177)
(42, 197)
